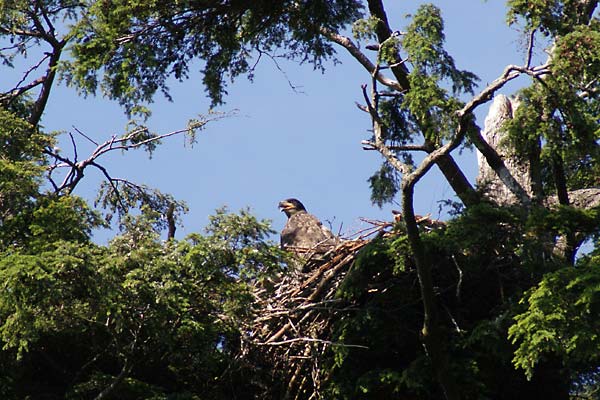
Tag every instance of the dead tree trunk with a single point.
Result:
(525, 170)
(494, 189)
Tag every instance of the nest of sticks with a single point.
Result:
(292, 328)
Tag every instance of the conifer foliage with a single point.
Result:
(500, 301)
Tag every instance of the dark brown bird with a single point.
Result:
(304, 233)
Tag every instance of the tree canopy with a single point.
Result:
(499, 301)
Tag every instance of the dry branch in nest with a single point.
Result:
(293, 325)
(290, 330)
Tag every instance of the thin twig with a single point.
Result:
(85, 136)
(530, 48)
(312, 340)
(460, 277)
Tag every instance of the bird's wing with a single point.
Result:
(306, 231)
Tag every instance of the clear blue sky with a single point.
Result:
(281, 143)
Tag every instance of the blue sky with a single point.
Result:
(282, 143)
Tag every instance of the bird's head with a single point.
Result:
(291, 206)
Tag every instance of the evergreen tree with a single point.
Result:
(499, 303)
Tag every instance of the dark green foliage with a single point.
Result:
(387, 304)
(61, 218)
(74, 315)
(479, 279)
(30, 218)
(365, 28)
(45, 292)
(146, 318)
(424, 43)
(20, 155)
(561, 317)
(555, 115)
(16, 19)
(566, 220)
(122, 197)
(385, 183)
(138, 45)
(400, 127)
(168, 313)
(554, 17)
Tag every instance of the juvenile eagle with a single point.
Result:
(304, 233)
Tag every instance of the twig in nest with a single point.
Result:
(312, 340)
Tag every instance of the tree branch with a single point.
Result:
(484, 96)
(57, 47)
(378, 130)
(76, 168)
(384, 32)
(20, 32)
(492, 157)
(431, 333)
(18, 89)
(122, 375)
(312, 340)
(530, 48)
(170, 217)
(360, 57)
(369, 145)
(16, 92)
(446, 163)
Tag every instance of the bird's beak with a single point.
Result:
(285, 205)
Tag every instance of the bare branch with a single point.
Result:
(125, 370)
(47, 35)
(134, 35)
(385, 151)
(378, 131)
(361, 107)
(40, 103)
(312, 340)
(75, 156)
(530, 48)
(51, 29)
(85, 136)
(76, 167)
(20, 32)
(510, 72)
(460, 277)
(112, 183)
(360, 57)
(8, 96)
(170, 216)
(372, 111)
(18, 89)
(369, 145)
(294, 87)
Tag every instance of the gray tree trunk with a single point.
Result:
(494, 189)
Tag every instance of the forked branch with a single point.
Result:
(135, 139)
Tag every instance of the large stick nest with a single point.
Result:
(293, 326)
